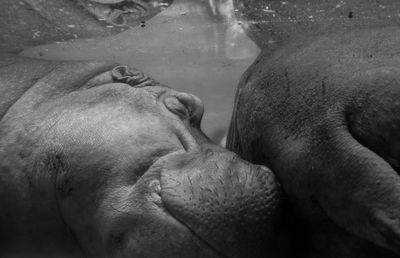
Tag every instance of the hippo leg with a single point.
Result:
(358, 190)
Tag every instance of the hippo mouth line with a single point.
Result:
(121, 13)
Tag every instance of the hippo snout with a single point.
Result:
(231, 204)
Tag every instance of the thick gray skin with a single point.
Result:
(94, 166)
(321, 107)
(99, 160)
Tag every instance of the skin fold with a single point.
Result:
(320, 107)
(98, 159)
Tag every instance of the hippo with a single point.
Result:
(98, 159)
(320, 106)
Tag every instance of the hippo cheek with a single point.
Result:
(232, 205)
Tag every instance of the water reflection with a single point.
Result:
(195, 46)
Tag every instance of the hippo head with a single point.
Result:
(130, 171)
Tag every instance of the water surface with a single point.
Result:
(194, 46)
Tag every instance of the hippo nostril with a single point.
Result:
(194, 106)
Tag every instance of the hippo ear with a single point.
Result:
(132, 76)
(359, 190)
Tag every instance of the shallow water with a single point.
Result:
(193, 46)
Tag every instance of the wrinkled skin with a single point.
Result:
(99, 160)
(321, 107)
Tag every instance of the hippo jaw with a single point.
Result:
(121, 13)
